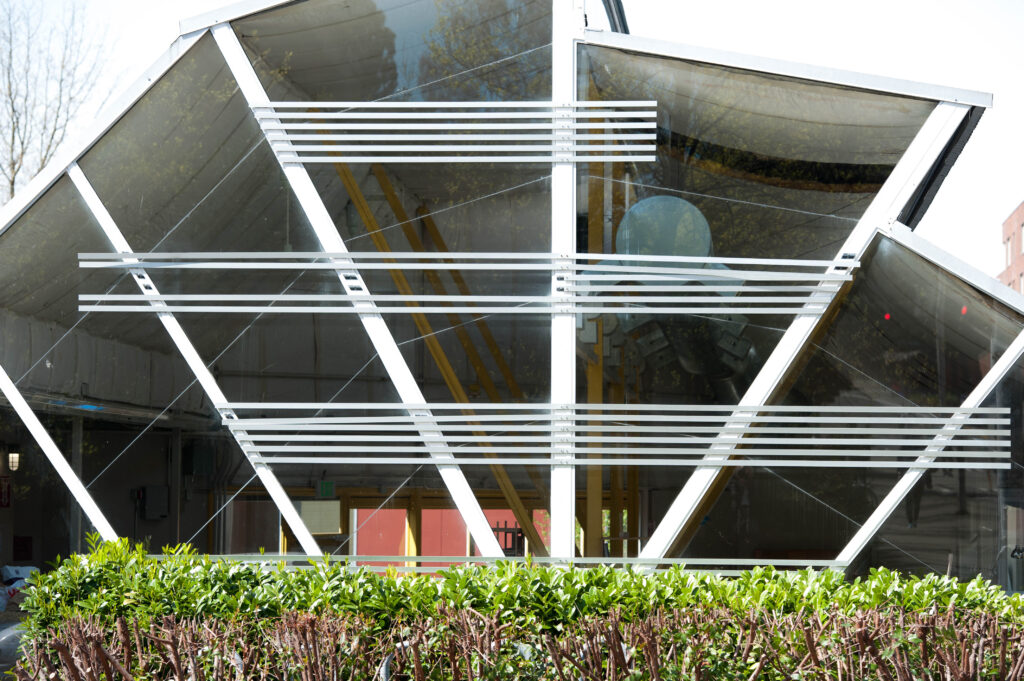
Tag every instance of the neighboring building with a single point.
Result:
(1013, 250)
(417, 279)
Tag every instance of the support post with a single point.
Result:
(481, 323)
(175, 482)
(414, 527)
(593, 529)
(633, 511)
(615, 524)
(566, 23)
(346, 529)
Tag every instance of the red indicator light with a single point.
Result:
(886, 316)
(963, 310)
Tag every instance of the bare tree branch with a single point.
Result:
(49, 66)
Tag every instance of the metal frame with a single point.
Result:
(804, 436)
(380, 336)
(236, 10)
(567, 33)
(911, 169)
(194, 361)
(674, 284)
(553, 133)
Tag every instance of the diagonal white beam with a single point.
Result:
(383, 342)
(56, 459)
(909, 172)
(906, 483)
(195, 363)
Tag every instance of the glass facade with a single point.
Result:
(906, 334)
(338, 329)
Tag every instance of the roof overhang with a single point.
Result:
(822, 74)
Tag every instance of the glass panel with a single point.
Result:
(747, 165)
(155, 168)
(436, 50)
(951, 521)
(779, 168)
(463, 209)
(111, 391)
(907, 333)
(784, 513)
(329, 357)
(661, 360)
(971, 522)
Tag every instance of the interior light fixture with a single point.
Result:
(13, 460)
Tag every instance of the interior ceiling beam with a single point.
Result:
(462, 333)
(478, 320)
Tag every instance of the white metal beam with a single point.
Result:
(778, 67)
(195, 363)
(235, 10)
(909, 172)
(384, 343)
(55, 457)
(566, 25)
(906, 483)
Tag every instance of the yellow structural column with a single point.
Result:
(593, 528)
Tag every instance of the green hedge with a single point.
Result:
(117, 579)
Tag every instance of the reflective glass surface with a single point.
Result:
(748, 165)
(967, 522)
(906, 333)
(780, 168)
(433, 50)
(757, 166)
(111, 391)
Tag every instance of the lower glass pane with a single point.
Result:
(404, 515)
(951, 522)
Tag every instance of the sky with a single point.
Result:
(974, 45)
